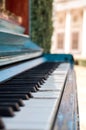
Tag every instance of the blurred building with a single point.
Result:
(69, 23)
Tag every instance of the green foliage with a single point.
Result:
(41, 24)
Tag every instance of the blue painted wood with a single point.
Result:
(60, 57)
(15, 47)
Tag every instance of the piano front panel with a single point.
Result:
(67, 115)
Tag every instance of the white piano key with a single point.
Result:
(64, 65)
(37, 114)
(51, 86)
(31, 113)
(53, 79)
(51, 83)
(36, 102)
(61, 71)
(46, 94)
(57, 76)
(26, 126)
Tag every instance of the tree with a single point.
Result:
(41, 24)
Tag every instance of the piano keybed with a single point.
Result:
(30, 100)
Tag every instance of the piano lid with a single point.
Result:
(17, 47)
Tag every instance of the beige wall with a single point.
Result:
(69, 29)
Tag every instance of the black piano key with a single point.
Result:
(28, 79)
(2, 126)
(6, 112)
(18, 101)
(14, 106)
(28, 85)
(18, 88)
(33, 77)
(23, 83)
(14, 96)
(37, 88)
(16, 92)
(31, 84)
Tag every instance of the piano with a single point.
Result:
(38, 91)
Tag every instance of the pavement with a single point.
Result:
(81, 90)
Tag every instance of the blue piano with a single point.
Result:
(38, 91)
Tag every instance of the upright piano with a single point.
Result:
(37, 91)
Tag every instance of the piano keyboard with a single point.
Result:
(30, 100)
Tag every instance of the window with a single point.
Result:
(75, 40)
(75, 19)
(61, 20)
(60, 40)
